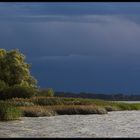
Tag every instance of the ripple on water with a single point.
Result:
(113, 124)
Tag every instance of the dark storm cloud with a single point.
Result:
(76, 47)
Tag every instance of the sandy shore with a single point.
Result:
(113, 124)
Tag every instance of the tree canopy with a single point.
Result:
(14, 70)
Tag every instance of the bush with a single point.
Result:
(9, 112)
(46, 92)
(17, 91)
(2, 85)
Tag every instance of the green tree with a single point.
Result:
(46, 92)
(14, 70)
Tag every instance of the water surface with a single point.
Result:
(113, 124)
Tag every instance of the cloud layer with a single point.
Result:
(77, 47)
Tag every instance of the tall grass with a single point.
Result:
(9, 112)
(37, 111)
(79, 109)
(66, 101)
(41, 100)
(20, 102)
(48, 106)
(46, 101)
(34, 111)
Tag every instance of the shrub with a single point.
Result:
(2, 85)
(50, 92)
(9, 112)
(46, 92)
(17, 91)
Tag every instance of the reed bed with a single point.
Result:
(34, 111)
(49, 106)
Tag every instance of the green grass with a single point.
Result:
(78, 109)
(126, 106)
(47, 101)
(39, 111)
(109, 105)
(66, 101)
(9, 112)
(48, 106)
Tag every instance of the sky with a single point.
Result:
(76, 47)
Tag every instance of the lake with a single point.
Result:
(113, 124)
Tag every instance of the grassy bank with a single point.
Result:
(50, 101)
(49, 106)
(9, 112)
(34, 111)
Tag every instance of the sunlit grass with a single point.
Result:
(9, 112)
(49, 106)
(62, 110)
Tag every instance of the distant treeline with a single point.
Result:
(115, 97)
